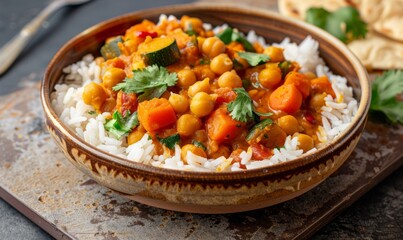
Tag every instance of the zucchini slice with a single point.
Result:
(160, 51)
(111, 49)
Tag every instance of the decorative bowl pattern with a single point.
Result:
(200, 192)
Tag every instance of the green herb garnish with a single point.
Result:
(190, 30)
(199, 145)
(285, 68)
(170, 141)
(345, 23)
(241, 108)
(254, 59)
(229, 35)
(151, 81)
(91, 112)
(119, 126)
(387, 91)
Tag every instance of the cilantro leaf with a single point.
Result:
(385, 91)
(170, 141)
(241, 109)
(118, 126)
(229, 35)
(225, 35)
(152, 81)
(254, 59)
(345, 23)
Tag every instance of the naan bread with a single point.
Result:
(378, 50)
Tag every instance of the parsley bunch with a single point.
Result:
(345, 23)
(386, 90)
(151, 81)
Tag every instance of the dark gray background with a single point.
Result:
(377, 215)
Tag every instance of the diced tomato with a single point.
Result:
(260, 152)
(225, 95)
(126, 102)
(144, 34)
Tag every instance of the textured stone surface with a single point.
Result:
(34, 172)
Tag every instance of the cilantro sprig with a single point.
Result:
(231, 35)
(241, 109)
(254, 59)
(170, 141)
(119, 126)
(345, 23)
(151, 82)
(386, 90)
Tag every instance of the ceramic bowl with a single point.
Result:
(209, 192)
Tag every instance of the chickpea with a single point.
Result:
(221, 151)
(270, 77)
(221, 64)
(200, 41)
(289, 124)
(305, 142)
(317, 101)
(202, 104)
(94, 95)
(195, 150)
(136, 135)
(229, 79)
(213, 46)
(188, 124)
(113, 76)
(200, 86)
(206, 72)
(186, 78)
(180, 103)
(275, 54)
(109, 105)
(310, 75)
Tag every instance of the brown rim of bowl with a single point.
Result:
(165, 173)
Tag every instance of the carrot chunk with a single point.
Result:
(301, 81)
(156, 114)
(286, 98)
(221, 127)
(322, 85)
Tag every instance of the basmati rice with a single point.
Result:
(69, 106)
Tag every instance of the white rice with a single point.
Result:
(69, 106)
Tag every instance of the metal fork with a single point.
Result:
(12, 49)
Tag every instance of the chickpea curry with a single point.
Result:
(212, 94)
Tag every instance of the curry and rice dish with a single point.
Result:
(181, 94)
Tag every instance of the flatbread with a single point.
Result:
(297, 8)
(382, 48)
(378, 52)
